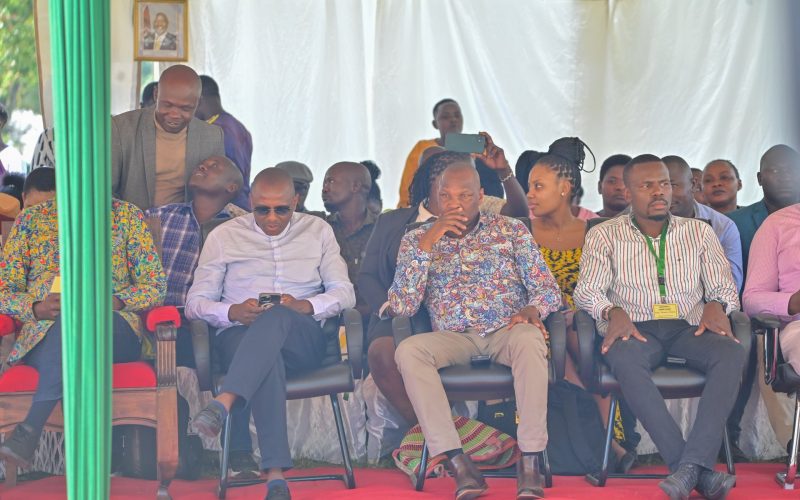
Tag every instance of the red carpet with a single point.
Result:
(755, 482)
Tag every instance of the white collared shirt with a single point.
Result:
(239, 261)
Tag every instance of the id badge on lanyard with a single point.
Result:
(662, 310)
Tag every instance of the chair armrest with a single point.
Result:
(763, 322)
(162, 314)
(742, 329)
(201, 347)
(7, 325)
(586, 331)
(354, 333)
(165, 327)
(401, 329)
(768, 325)
(556, 325)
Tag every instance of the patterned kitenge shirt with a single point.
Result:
(31, 263)
(475, 282)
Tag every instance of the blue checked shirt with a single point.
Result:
(181, 240)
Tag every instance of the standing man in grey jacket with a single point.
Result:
(155, 149)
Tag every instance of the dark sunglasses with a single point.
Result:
(281, 210)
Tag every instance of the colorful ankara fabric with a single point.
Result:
(31, 263)
(478, 281)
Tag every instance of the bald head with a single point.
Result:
(177, 96)
(274, 180)
(460, 192)
(346, 183)
(779, 177)
(273, 200)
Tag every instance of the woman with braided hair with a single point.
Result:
(553, 182)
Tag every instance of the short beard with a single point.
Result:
(658, 218)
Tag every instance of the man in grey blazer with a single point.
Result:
(155, 149)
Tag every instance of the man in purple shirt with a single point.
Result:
(773, 286)
(238, 143)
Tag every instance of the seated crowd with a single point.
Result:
(660, 277)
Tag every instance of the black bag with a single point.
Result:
(501, 415)
(576, 436)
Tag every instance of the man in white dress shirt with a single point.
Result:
(277, 251)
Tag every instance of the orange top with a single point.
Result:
(412, 164)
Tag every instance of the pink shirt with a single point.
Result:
(773, 268)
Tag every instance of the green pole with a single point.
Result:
(81, 64)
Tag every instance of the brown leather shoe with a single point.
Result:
(469, 481)
(530, 482)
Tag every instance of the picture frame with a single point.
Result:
(161, 30)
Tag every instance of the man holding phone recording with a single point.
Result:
(487, 291)
(277, 252)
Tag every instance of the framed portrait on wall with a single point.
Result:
(160, 30)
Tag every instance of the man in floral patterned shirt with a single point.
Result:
(487, 289)
(31, 264)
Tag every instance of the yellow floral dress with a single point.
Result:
(31, 263)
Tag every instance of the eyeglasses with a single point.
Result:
(281, 210)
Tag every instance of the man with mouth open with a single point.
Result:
(153, 150)
(661, 285)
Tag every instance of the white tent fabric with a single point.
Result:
(321, 82)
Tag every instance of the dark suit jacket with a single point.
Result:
(133, 153)
(377, 269)
(170, 42)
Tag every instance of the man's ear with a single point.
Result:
(433, 122)
(599, 187)
(739, 185)
(295, 201)
(232, 187)
(758, 178)
(155, 95)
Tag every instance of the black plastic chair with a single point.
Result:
(672, 378)
(334, 376)
(782, 378)
(493, 381)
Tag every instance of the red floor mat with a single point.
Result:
(755, 481)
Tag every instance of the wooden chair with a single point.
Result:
(143, 394)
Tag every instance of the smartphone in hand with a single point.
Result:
(465, 143)
(267, 300)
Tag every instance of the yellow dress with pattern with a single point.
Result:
(564, 264)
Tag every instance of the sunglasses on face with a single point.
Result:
(281, 210)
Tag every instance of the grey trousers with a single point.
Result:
(46, 356)
(278, 341)
(720, 358)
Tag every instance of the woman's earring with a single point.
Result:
(562, 195)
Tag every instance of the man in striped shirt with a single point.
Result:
(664, 280)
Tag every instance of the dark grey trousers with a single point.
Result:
(721, 359)
(46, 356)
(279, 341)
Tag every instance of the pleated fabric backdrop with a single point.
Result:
(80, 63)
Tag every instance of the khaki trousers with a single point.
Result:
(780, 407)
(522, 348)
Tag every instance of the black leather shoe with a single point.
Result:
(679, 484)
(626, 463)
(243, 466)
(20, 445)
(530, 482)
(209, 421)
(469, 481)
(278, 492)
(714, 485)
